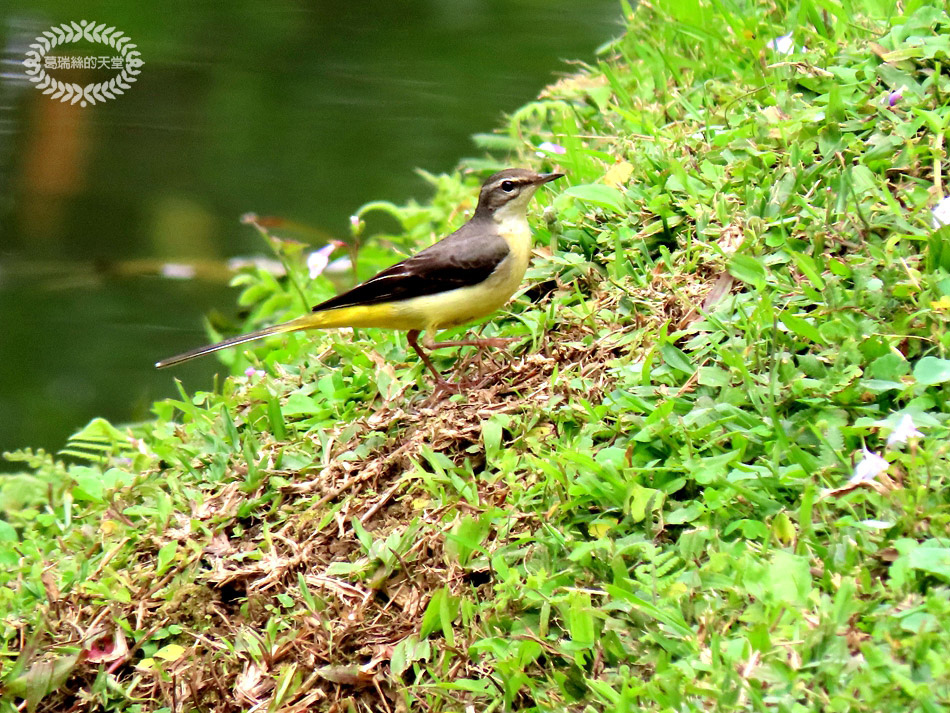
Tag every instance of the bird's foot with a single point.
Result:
(458, 387)
(498, 342)
(448, 387)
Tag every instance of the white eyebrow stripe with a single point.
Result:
(379, 278)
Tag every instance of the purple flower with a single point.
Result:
(552, 147)
(892, 98)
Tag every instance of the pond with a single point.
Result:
(300, 110)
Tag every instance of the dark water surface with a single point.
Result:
(302, 110)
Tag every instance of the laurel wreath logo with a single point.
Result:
(94, 92)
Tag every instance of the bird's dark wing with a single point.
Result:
(464, 258)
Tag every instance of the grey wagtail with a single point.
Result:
(463, 277)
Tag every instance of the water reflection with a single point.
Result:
(303, 110)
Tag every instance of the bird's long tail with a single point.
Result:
(380, 315)
(308, 321)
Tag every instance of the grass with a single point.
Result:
(653, 504)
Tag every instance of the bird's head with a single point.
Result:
(507, 192)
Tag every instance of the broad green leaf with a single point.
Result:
(677, 359)
(802, 328)
(889, 367)
(7, 532)
(580, 622)
(492, 429)
(932, 370)
(809, 269)
(408, 651)
(748, 269)
(300, 404)
(785, 580)
(439, 614)
(598, 194)
(466, 538)
(89, 485)
(784, 529)
(612, 456)
(933, 560)
(644, 500)
(165, 557)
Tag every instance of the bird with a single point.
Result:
(467, 275)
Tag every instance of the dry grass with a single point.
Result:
(228, 589)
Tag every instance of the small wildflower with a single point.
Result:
(356, 226)
(318, 259)
(252, 373)
(905, 431)
(894, 97)
(941, 213)
(868, 468)
(340, 266)
(178, 271)
(943, 304)
(783, 45)
(618, 174)
(551, 147)
(708, 131)
(139, 445)
(877, 524)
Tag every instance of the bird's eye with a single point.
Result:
(507, 186)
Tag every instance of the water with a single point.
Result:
(305, 111)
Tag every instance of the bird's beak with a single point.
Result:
(548, 177)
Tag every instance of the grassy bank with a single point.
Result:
(693, 486)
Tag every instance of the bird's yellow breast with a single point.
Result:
(454, 307)
(466, 304)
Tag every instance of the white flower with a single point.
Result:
(178, 271)
(876, 524)
(252, 373)
(318, 259)
(905, 430)
(870, 466)
(783, 45)
(941, 213)
(340, 266)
